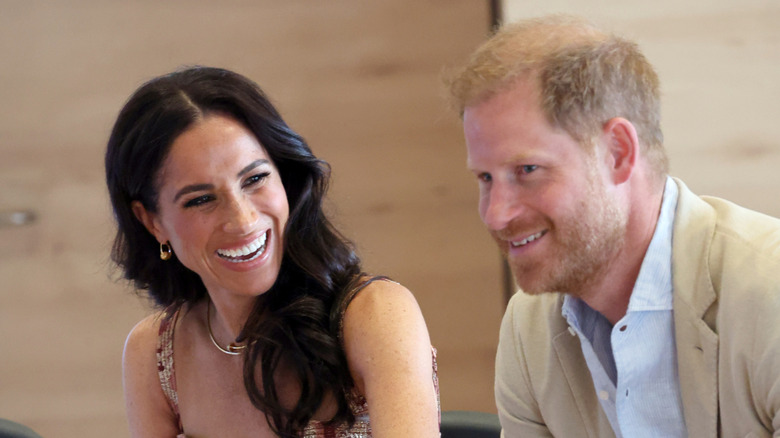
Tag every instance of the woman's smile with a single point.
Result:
(246, 253)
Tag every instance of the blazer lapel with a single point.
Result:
(695, 304)
(567, 347)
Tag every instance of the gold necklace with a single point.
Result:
(232, 348)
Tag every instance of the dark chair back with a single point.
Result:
(469, 424)
(11, 429)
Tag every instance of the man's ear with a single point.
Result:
(621, 145)
(149, 220)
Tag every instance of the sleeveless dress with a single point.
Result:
(315, 429)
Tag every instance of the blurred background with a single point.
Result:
(361, 82)
(719, 65)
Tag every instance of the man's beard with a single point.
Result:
(582, 246)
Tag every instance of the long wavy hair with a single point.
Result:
(297, 327)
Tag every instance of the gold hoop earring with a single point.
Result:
(165, 251)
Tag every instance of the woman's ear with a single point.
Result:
(622, 148)
(149, 220)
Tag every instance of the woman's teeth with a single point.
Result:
(246, 253)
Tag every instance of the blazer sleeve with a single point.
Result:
(518, 409)
(766, 369)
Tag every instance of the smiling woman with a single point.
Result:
(220, 198)
(276, 329)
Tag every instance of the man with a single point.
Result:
(647, 310)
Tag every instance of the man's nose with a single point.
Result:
(501, 205)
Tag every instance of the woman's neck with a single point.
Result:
(228, 316)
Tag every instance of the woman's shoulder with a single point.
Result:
(148, 407)
(143, 337)
(374, 294)
(390, 358)
(380, 312)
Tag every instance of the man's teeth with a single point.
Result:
(253, 249)
(528, 239)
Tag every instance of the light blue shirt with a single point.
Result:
(634, 363)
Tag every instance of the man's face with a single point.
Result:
(546, 199)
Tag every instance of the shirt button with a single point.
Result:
(623, 328)
(604, 395)
(573, 333)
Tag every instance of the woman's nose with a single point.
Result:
(241, 217)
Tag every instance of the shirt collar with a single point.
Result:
(653, 287)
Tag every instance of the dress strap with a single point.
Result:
(165, 359)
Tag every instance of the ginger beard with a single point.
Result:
(581, 244)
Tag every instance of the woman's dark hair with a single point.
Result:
(297, 328)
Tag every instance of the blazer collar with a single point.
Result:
(695, 304)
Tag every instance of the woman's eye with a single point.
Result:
(255, 179)
(200, 200)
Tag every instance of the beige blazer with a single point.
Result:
(726, 278)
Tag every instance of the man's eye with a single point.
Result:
(200, 200)
(528, 168)
(485, 177)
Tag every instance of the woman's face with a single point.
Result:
(222, 207)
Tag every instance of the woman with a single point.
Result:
(267, 325)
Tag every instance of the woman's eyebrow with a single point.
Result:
(251, 166)
(192, 188)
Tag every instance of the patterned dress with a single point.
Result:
(315, 429)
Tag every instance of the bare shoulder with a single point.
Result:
(381, 295)
(384, 325)
(139, 360)
(142, 339)
(389, 354)
(148, 412)
(382, 307)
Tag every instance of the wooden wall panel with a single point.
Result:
(360, 80)
(718, 62)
